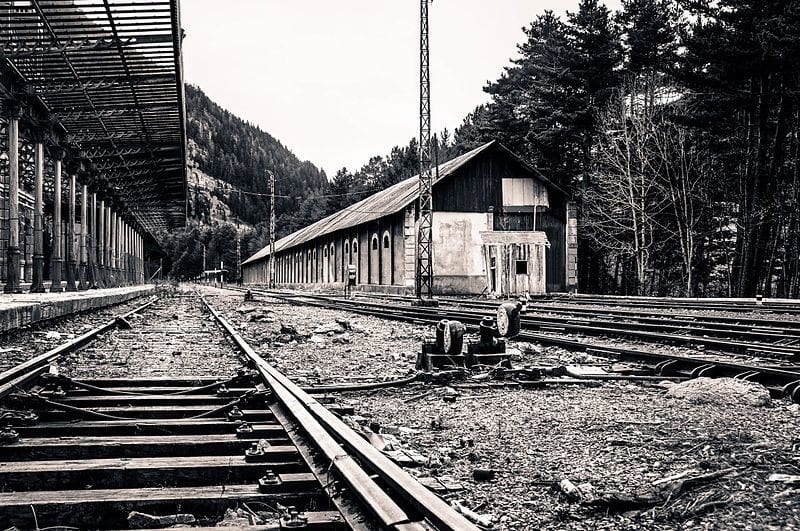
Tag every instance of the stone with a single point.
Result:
(137, 520)
(722, 391)
(289, 330)
(336, 328)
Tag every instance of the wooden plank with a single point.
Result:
(154, 412)
(104, 508)
(155, 381)
(131, 446)
(185, 382)
(128, 427)
(165, 390)
(145, 472)
(328, 520)
(95, 401)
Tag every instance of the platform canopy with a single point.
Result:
(105, 76)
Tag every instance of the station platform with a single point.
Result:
(23, 309)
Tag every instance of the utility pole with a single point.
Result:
(271, 229)
(424, 280)
(239, 278)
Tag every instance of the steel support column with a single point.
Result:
(70, 234)
(57, 260)
(13, 259)
(91, 244)
(101, 243)
(112, 247)
(37, 286)
(83, 269)
(123, 265)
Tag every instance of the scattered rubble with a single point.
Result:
(720, 391)
(617, 438)
(137, 520)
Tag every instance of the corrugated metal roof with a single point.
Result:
(381, 204)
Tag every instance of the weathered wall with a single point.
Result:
(457, 260)
(505, 249)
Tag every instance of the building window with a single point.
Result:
(374, 242)
(524, 192)
(386, 241)
(346, 248)
(522, 267)
(355, 247)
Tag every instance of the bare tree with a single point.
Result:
(650, 184)
(684, 170)
(624, 200)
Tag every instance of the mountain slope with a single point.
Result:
(230, 157)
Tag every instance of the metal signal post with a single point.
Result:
(424, 280)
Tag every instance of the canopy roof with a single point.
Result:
(107, 77)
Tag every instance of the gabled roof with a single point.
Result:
(381, 204)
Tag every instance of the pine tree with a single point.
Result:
(741, 65)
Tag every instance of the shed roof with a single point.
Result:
(388, 201)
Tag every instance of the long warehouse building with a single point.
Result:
(499, 226)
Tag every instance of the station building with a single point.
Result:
(499, 226)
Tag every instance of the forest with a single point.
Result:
(673, 123)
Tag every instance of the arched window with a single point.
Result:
(346, 247)
(324, 252)
(355, 246)
(374, 242)
(385, 241)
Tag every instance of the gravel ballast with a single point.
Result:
(637, 457)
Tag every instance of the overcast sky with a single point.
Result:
(336, 81)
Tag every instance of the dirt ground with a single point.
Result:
(635, 458)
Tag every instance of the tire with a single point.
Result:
(441, 330)
(508, 320)
(454, 338)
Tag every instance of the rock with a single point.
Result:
(336, 328)
(344, 323)
(137, 520)
(260, 316)
(235, 518)
(246, 309)
(723, 391)
(289, 330)
(483, 474)
(316, 339)
(342, 339)
(53, 335)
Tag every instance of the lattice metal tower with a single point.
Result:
(424, 280)
(271, 229)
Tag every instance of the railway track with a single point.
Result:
(759, 337)
(102, 452)
(783, 379)
(766, 337)
(725, 305)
